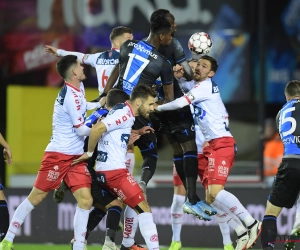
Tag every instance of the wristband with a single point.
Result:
(89, 154)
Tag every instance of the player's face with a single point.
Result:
(166, 38)
(147, 107)
(203, 70)
(123, 38)
(79, 71)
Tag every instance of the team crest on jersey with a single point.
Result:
(125, 138)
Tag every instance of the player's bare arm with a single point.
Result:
(6, 151)
(187, 71)
(169, 92)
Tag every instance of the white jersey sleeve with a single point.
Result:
(79, 55)
(92, 105)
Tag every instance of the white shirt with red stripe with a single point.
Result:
(69, 113)
(112, 146)
(103, 62)
(210, 112)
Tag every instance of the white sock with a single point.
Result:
(225, 230)
(130, 160)
(222, 218)
(235, 206)
(231, 219)
(148, 230)
(18, 219)
(131, 221)
(177, 216)
(297, 221)
(80, 222)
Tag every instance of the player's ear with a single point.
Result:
(211, 74)
(138, 102)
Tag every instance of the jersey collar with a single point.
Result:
(130, 108)
(72, 86)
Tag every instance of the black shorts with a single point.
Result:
(100, 195)
(178, 125)
(1, 186)
(286, 186)
(147, 143)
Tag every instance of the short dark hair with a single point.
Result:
(117, 31)
(213, 62)
(142, 91)
(158, 13)
(160, 25)
(116, 96)
(63, 65)
(292, 88)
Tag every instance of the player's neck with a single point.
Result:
(152, 40)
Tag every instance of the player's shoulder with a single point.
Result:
(118, 107)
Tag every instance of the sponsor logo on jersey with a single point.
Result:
(143, 49)
(123, 119)
(291, 139)
(102, 61)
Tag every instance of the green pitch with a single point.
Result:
(67, 247)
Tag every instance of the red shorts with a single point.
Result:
(202, 163)
(56, 166)
(220, 153)
(122, 183)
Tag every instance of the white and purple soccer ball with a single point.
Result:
(200, 43)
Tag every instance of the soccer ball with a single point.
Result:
(200, 43)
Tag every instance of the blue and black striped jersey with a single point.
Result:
(140, 62)
(287, 120)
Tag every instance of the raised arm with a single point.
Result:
(60, 52)
(188, 72)
(6, 151)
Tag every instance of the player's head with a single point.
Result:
(142, 99)
(115, 96)
(119, 35)
(292, 90)
(164, 13)
(68, 67)
(162, 30)
(206, 68)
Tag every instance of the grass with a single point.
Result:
(67, 247)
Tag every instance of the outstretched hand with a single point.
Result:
(50, 50)
(82, 158)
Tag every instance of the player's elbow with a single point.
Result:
(83, 130)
